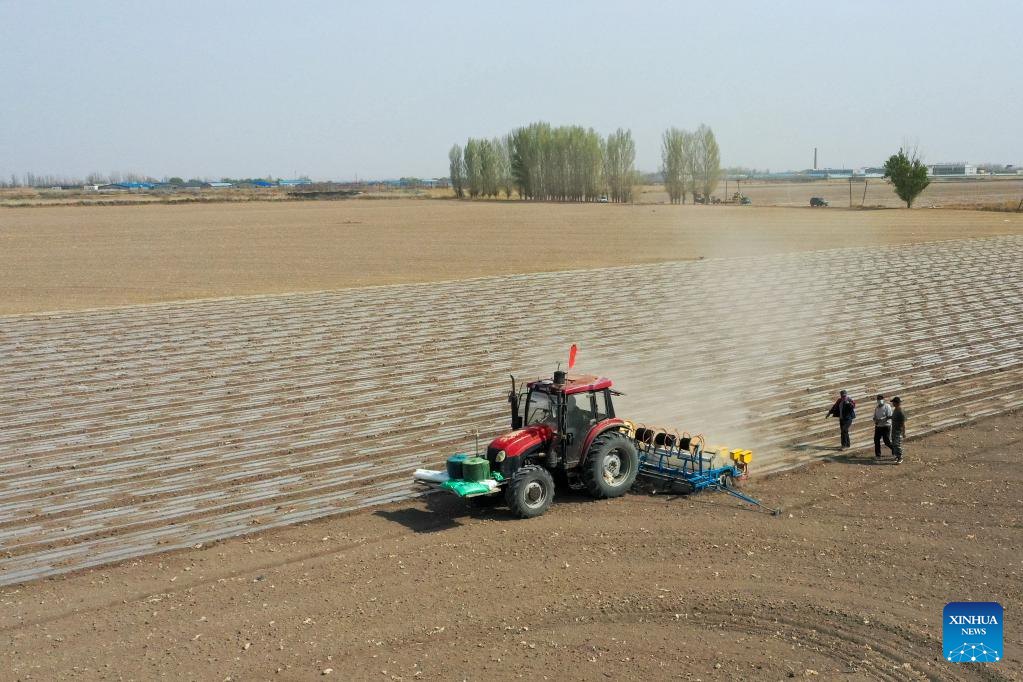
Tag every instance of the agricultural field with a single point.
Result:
(848, 584)
(1002, 193)
(61, 258)
(174, 377)
(137, 429)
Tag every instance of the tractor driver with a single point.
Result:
(580, 412)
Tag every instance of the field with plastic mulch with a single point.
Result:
(134, 430)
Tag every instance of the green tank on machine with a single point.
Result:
(455, 465)
(475, 469)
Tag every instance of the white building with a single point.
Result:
(956, 168)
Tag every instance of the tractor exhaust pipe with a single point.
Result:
(513, 398)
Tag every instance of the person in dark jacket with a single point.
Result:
(844, 410)
(898, 428)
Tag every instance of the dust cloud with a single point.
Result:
(725, 336)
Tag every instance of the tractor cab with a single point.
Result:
(570, 407)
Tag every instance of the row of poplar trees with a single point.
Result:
(542, 162)
(691, 163)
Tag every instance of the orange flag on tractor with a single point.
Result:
(571, 356)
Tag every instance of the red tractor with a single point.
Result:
(563, 428)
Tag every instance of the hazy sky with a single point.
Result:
(334, 89)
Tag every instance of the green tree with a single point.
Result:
(708, 166)
(489, 163)
(691, 151)
(619, 169)
(473, 168)
(907, 173)
(457, 169)
(504, 178)
(545, 163)
(673, 158)
(529, 148)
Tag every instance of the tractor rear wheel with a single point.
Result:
(530, 491)
(611, 465)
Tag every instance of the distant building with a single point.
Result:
(125, 186)
(419, 183)
(217, 185)
(298, 182)
(827, 173)
(869, 172)
(956, 168)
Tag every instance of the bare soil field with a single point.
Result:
(141, 429)
(128, 432)
(849, 583)
(943, 193)
(85, 257)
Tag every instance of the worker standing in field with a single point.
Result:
(844, 410)
(882, 426)
(898, 428)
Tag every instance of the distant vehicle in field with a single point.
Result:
(603, 199)
(817, 202)
(745, 201)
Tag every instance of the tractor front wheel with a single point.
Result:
(530, 491)
(611, 465)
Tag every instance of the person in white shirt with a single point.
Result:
(882, 426)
